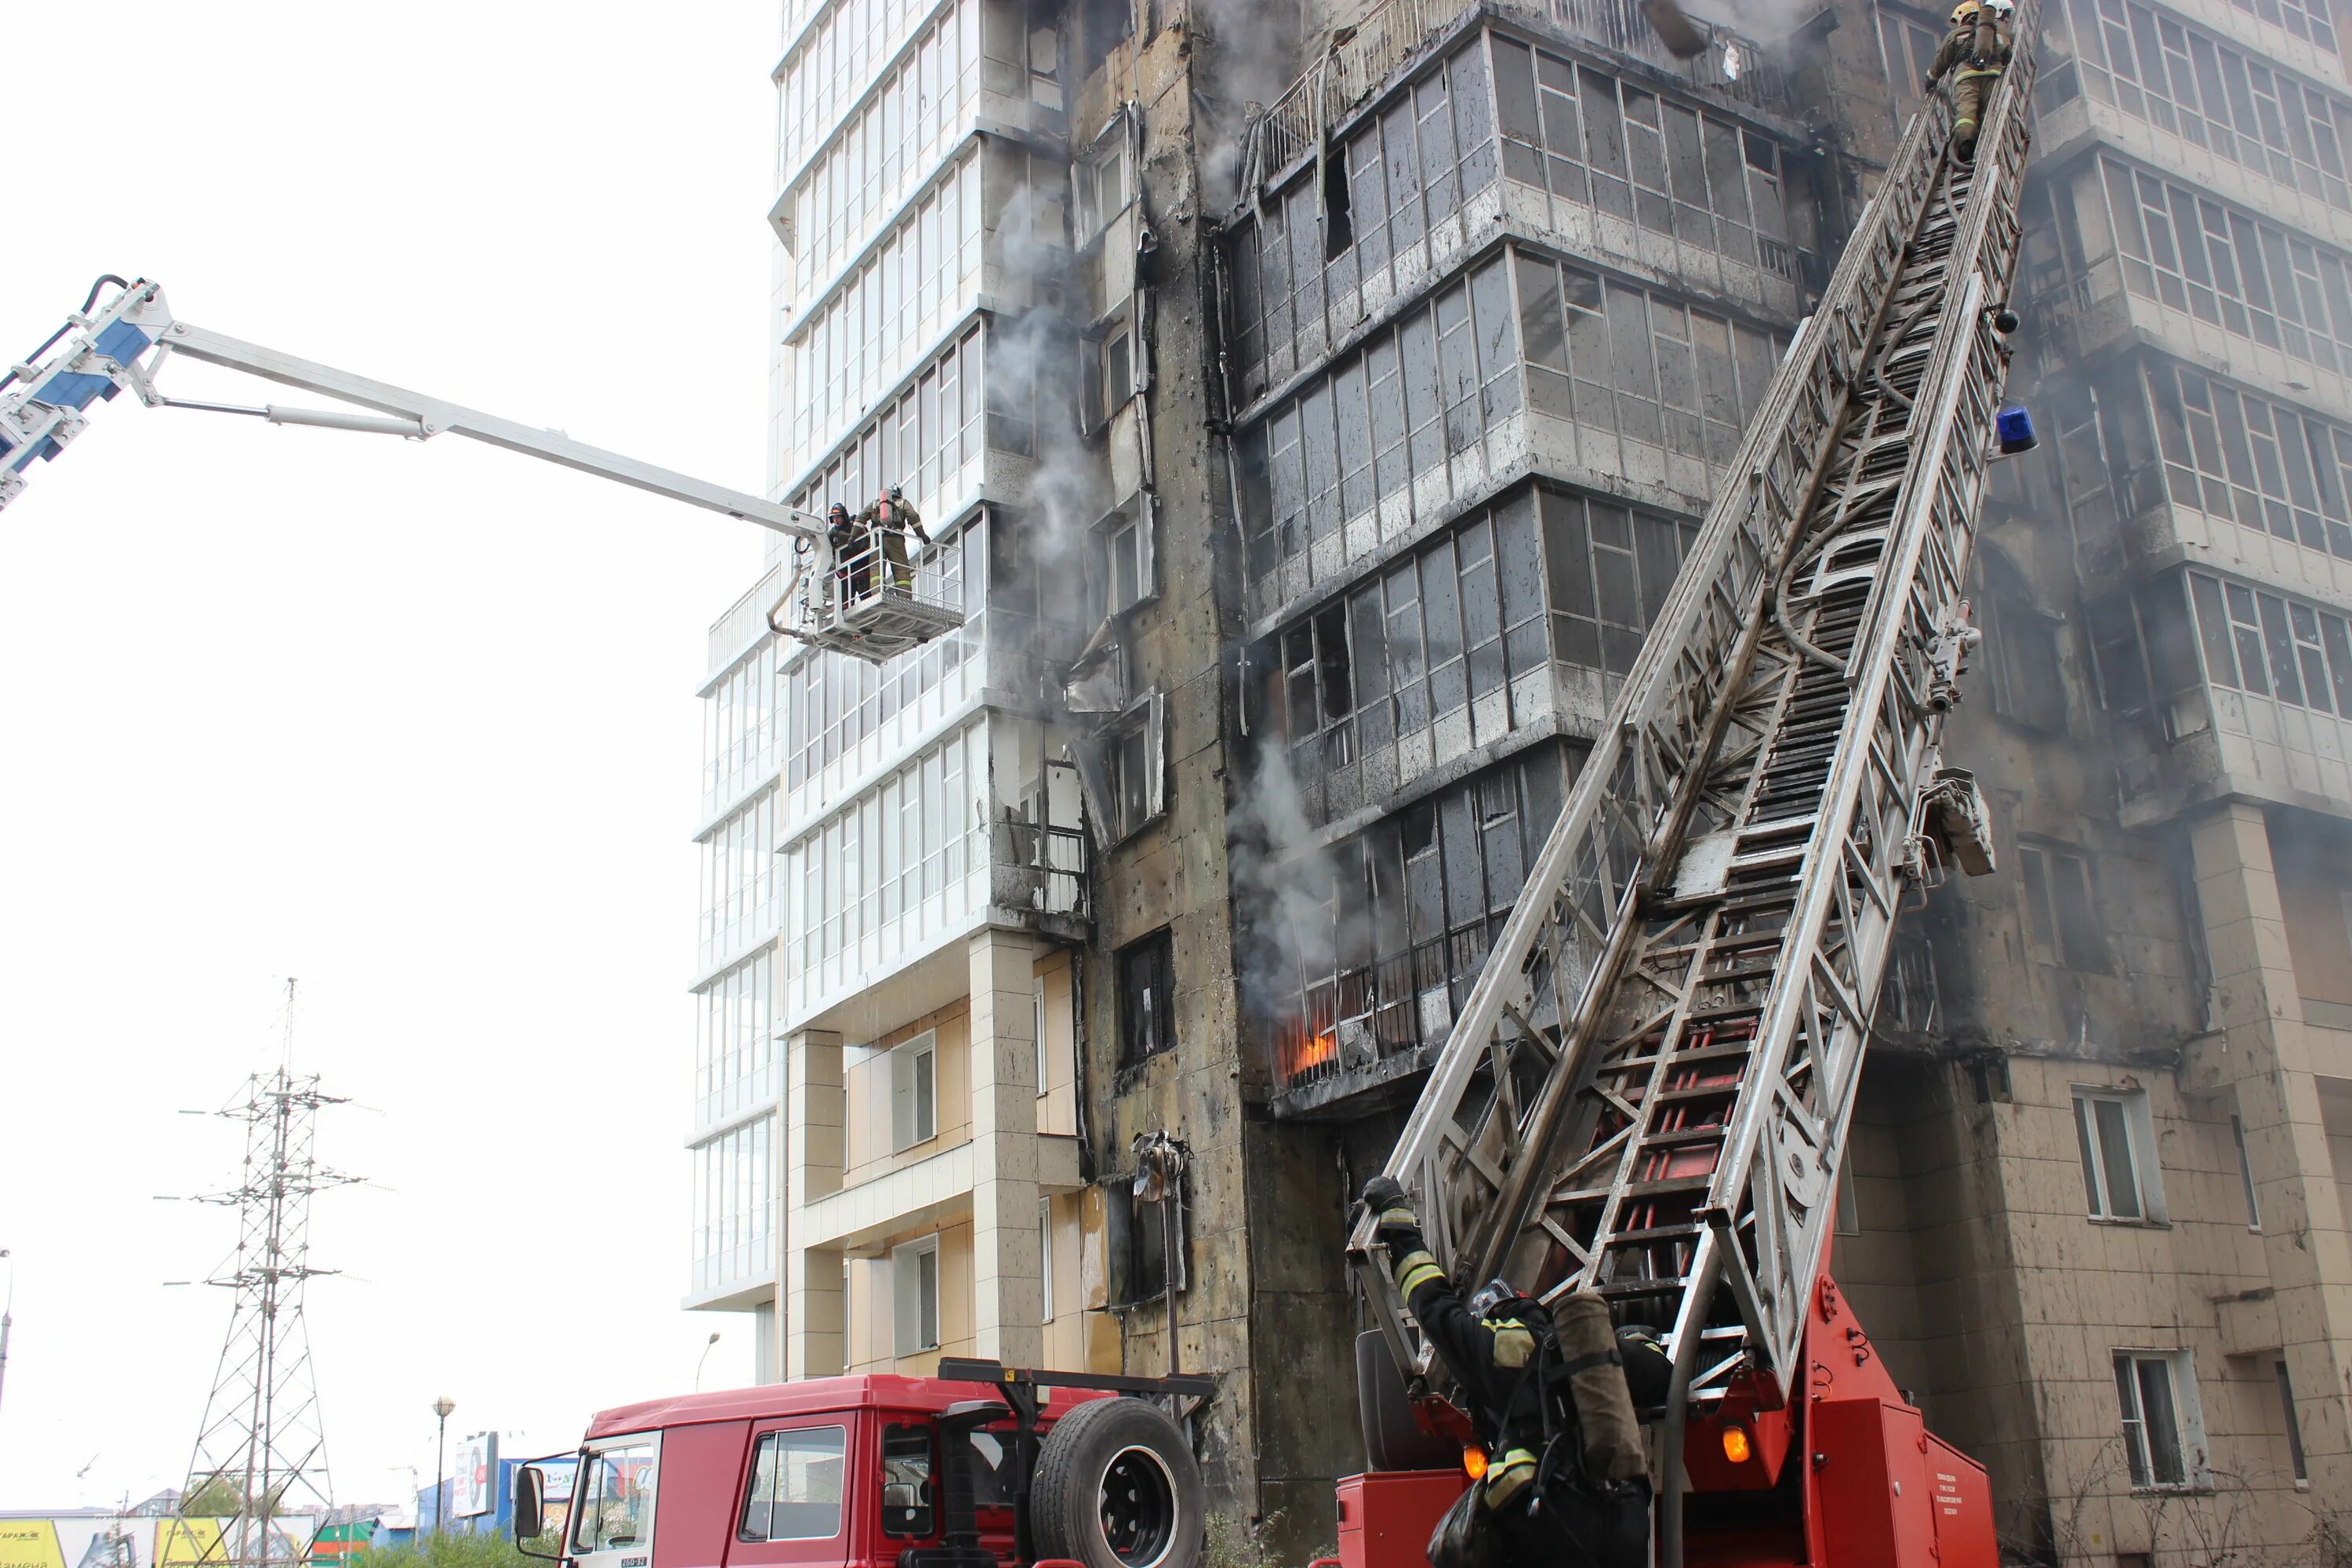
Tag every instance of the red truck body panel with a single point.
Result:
(707, 1443)
(1386, 1516)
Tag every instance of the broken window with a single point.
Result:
(2060, 912)
(2294, 1425)
(1124, 564)
(1109, 373)
(2029, 686)
(2246, 1172)
(2117, 1141)
(1103, 24)
(1136, 1236)
(1147, 1001)
(1380, 937)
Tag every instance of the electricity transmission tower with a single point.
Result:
(262, 1449)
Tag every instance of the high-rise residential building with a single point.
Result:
(1311, 403)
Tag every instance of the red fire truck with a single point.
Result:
(978, 1466)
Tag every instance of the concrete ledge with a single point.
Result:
(906, 1198)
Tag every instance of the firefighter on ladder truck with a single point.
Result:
(1645, 1098)
(118, 341)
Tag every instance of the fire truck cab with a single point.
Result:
(981, 1468)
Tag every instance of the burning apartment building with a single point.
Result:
(1312, 404)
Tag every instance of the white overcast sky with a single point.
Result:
(414, 723)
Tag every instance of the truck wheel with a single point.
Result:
(1394, 1440)
(1117, 1488)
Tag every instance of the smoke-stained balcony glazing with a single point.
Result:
(1385, 929)
(2225, 112)
(1527, 363)
(1529, 611)
(1589, 162)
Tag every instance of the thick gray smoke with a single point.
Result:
(1255, 59)
(1293, 927)
(1038, 347)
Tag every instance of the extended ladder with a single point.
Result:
(1647, 1092)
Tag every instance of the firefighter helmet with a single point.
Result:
(1965, 11)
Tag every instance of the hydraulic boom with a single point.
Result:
(850, 607)
(1647, 1092)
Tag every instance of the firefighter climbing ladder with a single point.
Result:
(1647, 1092)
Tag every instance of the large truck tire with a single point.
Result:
(1394, 1440)
(1117, 1487)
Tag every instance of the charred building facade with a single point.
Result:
(1313, 404)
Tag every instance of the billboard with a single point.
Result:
(473, 1480)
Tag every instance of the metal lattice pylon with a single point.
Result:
(263, 1442)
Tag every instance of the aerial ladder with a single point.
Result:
(1648, 1089)
(849, 594)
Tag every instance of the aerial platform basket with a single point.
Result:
(873, 607)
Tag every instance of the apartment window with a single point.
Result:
(2028, 688)
(1849, 1206)
(915, 1091)
(2162, 1442)
(795, 1490)
(2268, 647)
(2155, 69)
(1101, 184)
(1137, 769)
(1595, 141)
(2246, 1172)
(1146, 987)
(2117, 1141)
(1138, 1235)
(1107, 363)
(2224, 267)
(2263, 465)
(2294, 1426)
(2060, 912)
(1038, 1025)
(1046, 1260)
(1124, 539)
(914, 1295)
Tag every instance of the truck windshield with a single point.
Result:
(615, 1503)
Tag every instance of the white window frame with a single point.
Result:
(1110, 152)
(1134, 521)
(2139, 1152)
(908, 1306)
(913, 1091)
(1148, 720)
(1045, 1261)
(2179, 1370)
(1037, 1022)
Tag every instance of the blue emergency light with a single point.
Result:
(2012, 428)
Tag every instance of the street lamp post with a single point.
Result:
(705, 1356)
(441, 1408)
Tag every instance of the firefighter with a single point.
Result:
(1566, 1480)
(853, 560)
(887, 522)
(1980, 45)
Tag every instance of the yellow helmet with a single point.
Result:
(1965, 11)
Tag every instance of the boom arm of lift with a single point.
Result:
(867, 606)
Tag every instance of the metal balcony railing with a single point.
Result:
(1361, 60)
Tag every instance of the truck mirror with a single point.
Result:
(529, 1484)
